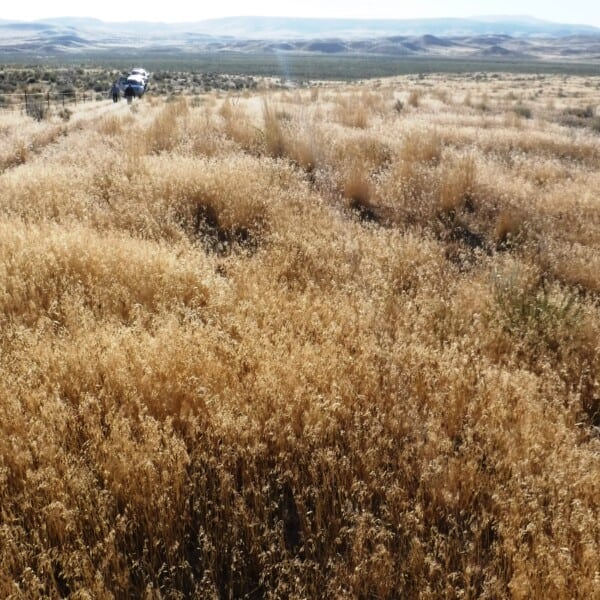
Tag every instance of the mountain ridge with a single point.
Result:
(505, 36)
(302, 27)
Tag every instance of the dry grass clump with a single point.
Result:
(291, 135)
(163, 134)
(232, 199)
(352, 111)
(273, 132)
(357, 190)
(107, 280)
(414, 98)
(239, 127)
(249, 350)
(201, 134)
(457, 184)
(111, 125)
(20, 145)
(421, 146)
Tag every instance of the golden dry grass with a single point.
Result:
(303, 345)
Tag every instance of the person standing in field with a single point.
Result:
(116, 92)
(129, 93)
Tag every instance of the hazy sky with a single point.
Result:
(573, 11)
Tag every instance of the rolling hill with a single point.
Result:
(506, 37)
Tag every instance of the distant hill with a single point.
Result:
(265, 27)
(492, 36)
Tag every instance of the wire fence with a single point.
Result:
(26, 102)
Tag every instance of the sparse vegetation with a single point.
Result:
(36, 109)
(288, 344)
(522, 110)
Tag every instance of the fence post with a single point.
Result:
(26, 107)
(48, 99)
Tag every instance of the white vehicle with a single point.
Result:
(141, 72)
(137, 80)
(137, 84)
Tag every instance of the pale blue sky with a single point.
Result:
(573, 11)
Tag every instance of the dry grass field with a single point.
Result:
(338, 342)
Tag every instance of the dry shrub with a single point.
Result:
(227, 110)
(410, 187)
(273, 132)
(303, 153)
(546, 172)
(356, 151)
(523, 111)
(164, 134)
(135, 147)
(37, 109)
(573, 264)
(357, 191)
(291, 136)
(509, 224)
(14, 156)
(239, 128)
(578, 116)
(373, 102)
(513, 121)
(203, 136)
(421, 146)
(414, 98)
(351, 111)
(544, 145)
(410, 190)
(21, 152)
(375, 154)
(207, 142)
(19, 147)
(222, 202)
(357, 117)
(303, 148)
(111, 125)
(457, 183)
(108, 274)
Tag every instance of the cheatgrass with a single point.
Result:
(320, 343)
